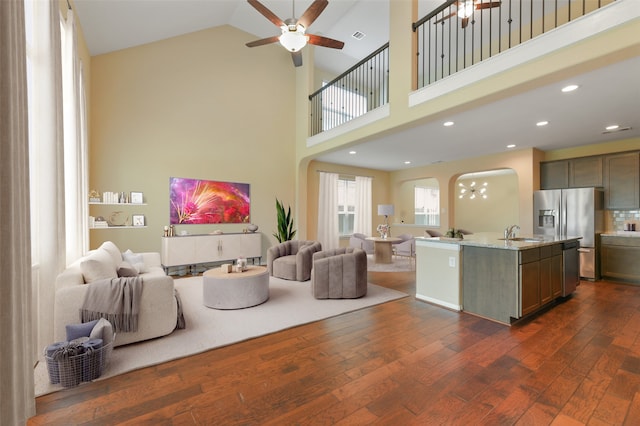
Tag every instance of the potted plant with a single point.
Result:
(285, 223)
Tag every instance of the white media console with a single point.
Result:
(187, 250)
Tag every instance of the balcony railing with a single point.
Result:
(449, 41)
(360, 89)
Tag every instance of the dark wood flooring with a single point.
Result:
(404, 362)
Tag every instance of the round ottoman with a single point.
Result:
(235, 290)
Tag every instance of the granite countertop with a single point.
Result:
(496, 240)
(621, 234)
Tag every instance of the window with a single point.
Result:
(340, 105)
(427, 206)
(346, 205)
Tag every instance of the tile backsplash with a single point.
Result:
(616, 219)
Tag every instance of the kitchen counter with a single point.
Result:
(485, 275)
(621, 234)
(496, 240)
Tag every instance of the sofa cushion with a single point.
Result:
(75, 331)
(125, 269)
(97, 266)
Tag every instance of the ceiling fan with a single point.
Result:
(465, 9)
(294, 36)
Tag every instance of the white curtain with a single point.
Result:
(75, 144)
(328, 231)
(48, 240)
(362, 219)
(17, 403)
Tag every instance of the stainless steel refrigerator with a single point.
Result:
(572, 212)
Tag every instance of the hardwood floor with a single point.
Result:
(403, 362)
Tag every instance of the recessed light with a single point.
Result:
(407, 162)
(542, 123)
(352, 152)
(511, 146)
(612, 127)
(570, 88)
(447, 123)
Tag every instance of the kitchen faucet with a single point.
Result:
(509, 231)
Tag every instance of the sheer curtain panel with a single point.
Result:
(328, 230)
(75, 144)
(17, 403)
(362, 219)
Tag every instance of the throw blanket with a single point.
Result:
(180, 324)
(115, 299)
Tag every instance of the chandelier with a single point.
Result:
(472, 191)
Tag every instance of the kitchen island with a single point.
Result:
(502, 280)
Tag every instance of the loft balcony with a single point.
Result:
(455, 49)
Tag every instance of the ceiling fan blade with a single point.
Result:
(464, 22)
(487, 5)
(266, 12)
(312, 12)
(325, 41)
(297, 58)
(263, 41)
(445, 18)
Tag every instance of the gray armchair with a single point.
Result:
(406, 247)
(360, 241)
(339, 274)
(292, 260)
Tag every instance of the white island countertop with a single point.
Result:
(496, 240)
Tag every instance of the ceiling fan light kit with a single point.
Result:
(294, 37)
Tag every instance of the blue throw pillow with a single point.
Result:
(80, 330)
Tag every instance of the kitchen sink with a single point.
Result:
(522, 239)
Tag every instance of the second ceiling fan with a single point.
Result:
(294, 31)
(465, 9)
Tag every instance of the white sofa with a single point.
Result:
(158, 305)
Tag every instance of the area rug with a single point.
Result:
(290, 304)
(399, 264)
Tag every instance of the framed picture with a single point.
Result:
(136, 197)
(138, 220)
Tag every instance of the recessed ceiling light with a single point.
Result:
(407, 162)
(447, 123)
(612, 127)
(542, 123)
(511, 146)
(352, 152)
(570, 88)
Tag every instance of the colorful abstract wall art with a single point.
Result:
(196, 201)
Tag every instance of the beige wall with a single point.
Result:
(202, 106)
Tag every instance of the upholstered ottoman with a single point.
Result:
(235, 290)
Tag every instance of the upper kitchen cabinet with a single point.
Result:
(581, 172)
(622, 181)
(585, 172)
(554, 174)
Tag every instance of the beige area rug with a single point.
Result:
(399, 264)
(290, 304)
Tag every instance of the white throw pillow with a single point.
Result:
(113, 250)
(99, 265)
(136, 260)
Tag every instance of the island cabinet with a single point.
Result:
(505, 285)
(619, 257)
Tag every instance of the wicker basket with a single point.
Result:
(70, 369)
